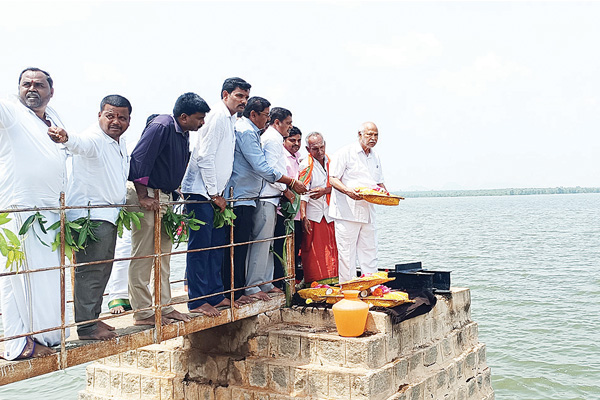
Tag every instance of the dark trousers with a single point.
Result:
(203, 268)
(279, 271)
(241, 233)
(91, 280)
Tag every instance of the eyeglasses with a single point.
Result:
(264, 114)
(370, 135)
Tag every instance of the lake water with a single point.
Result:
(532, 264)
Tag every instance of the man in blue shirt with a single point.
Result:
(250, 170)
(158, 162)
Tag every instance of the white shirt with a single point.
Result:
(211, 162)
(316, 209)
(99, 177)
(354, 168)
(272, 145)
(32, 167)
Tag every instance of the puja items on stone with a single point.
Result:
(370, 287)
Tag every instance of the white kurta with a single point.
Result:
(32, 173)
(272, 145)
(99, 177)
(211, 162)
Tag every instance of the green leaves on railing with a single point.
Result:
(224, 217)
(178, 226)
(30, 223)
(78, 233)
(125, 219)
(10, 246)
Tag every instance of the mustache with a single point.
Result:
(32, 94)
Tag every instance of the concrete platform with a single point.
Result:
(129, 337)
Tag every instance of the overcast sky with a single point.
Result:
(466, 95)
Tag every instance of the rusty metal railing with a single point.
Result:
(288, 278)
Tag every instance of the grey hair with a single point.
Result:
(313, 134)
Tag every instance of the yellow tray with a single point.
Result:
(382, 199)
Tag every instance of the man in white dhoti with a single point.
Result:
(355, 165)
(32, 174)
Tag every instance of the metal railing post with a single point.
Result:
(290, 283)
(157, 266)
(63, 335)
(231, 259)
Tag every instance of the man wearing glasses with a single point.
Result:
(250, 171)
(353, 166)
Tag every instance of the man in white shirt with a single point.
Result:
(319, 248)
(100, 169)
(260, 259)
(206, 177)
(33, 174)
(353, 166)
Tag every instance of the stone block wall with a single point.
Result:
(290, 354)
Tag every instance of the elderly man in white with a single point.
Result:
(99, 178)
(33, 173)
(355, 165)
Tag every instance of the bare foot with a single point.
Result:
(275, 290)
(227, 303)
(117, 310)
(176, 315)
(261, 296)
(42, 351)
(207, 310)
(99, 334)
(150, 321)
(245, 299)
(106, 326)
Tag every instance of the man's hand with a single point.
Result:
(306, 225)
(317, 193)
(353, 194)
(289, 195)
(57, 134)
(148, 203)
(298, 187)
(219, 202)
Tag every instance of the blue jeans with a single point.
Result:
(203, 268)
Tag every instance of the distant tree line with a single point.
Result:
(499, 192)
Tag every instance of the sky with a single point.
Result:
(466, 95)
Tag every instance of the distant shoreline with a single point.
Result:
(498, 192)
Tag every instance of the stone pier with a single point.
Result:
(289, 354)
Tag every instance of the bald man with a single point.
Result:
(355, 165)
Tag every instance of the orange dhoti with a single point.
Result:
(319, 252)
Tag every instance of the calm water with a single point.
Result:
(532, 264)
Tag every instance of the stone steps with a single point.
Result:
(466, 377)
(315, 363)
(151, 372)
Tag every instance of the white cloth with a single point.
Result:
(32, 167)
(99, 175)
(211, 162)
(356, 241)
(31, 302)
(272, 145)
(32, 173)
(316, 209)
(354, 168)
(118, 281)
